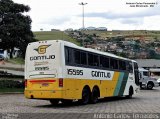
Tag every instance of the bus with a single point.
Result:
(60, 71)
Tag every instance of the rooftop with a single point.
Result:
(148, 62)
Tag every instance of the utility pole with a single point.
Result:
(82, 3)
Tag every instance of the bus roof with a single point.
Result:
(94, 51)
(72, 45)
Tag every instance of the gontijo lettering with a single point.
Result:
(44, 57)
(101, 74)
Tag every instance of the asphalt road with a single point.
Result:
(146, 101)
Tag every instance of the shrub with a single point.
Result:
(11, 84)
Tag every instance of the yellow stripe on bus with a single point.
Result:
(115, 80)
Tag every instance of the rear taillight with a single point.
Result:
(25, 83)
(60, 82)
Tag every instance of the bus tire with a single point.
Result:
(150, 85)
(85, 96)
(54, 101)
(130, 92)
(94, 95)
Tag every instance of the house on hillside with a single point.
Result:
(55, 30)
(101, 29)
(69, 29)
(90, 28)
(157, 49)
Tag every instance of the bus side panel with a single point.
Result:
(118, 86)
(108, 86)
(70, 88)
(73, 87)
(131, 82)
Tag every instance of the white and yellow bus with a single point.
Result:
(57, 70)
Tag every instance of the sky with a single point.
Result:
(112, 14)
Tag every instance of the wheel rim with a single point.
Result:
(150, 86)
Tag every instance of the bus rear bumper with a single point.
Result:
(37, 94)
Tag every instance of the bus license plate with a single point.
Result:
(45, 84)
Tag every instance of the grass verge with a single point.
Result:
(54, 35)
(17, 60)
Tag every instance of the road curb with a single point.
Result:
(11, 68)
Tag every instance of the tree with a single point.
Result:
(15, 27)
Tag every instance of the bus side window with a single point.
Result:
(96, 60)
(104, 62)
(68, 53)
(83, 58)
(90, 59)
(113, 63)
(77, 57)
(122, 65)
(93, 59)
(129, 67)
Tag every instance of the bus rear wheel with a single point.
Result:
(94, 96)
(54, 102)
(85, 96)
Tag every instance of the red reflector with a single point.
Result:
(25, 83)
(60, 82)
(42, 81)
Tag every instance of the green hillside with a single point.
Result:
(60, 35)
(54, 35)
(146, 33)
